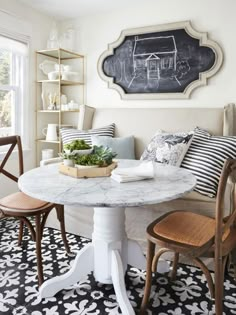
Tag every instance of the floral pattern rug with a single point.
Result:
(188, 294)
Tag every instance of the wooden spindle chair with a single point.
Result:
(23, 207)
(194, 235)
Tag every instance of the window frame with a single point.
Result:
(20, 106)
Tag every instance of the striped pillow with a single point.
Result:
(205, 158)
(68, 135)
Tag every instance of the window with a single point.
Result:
(13, 87)
(140, 63)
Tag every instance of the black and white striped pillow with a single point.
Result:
(205, 158)
(68, 135)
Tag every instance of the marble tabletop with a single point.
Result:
(46, 183)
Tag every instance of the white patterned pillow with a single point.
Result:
(68, 135)
(168, 148)
(205, 159)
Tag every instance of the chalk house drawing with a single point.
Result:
(165, 61)
(154, 56)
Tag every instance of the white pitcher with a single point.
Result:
(50, 132)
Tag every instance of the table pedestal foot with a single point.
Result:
(83, 265)
(107, 257)
(117, 274)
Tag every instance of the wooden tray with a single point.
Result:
(87, 172)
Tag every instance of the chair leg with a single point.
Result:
(148, 283)
(219, 283)
(174, 267)
(207, 274)
(20, 235)
(157, 257)
(233, 261)
(61, 218)
(38, 249)
(25, 221)
(44, 219)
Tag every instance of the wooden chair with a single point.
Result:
(23, 207)
(194, 236)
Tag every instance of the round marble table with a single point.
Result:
(110, 251)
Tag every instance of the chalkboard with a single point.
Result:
(158, 62)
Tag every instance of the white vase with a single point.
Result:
(68, 162)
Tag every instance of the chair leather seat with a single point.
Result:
(20, 201)
(24, 207)
(186, 228)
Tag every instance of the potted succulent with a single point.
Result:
(101, 156)
(79, 147)
(68, 159)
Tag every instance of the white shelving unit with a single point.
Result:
(73, 89)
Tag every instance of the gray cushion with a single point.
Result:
(124, 147)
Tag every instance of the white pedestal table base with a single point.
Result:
(107, 256)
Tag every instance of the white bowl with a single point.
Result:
(65, 76)
(83, 152)
(67, 68)
(54, 75)
(79, 152)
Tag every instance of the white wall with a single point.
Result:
(217, 17)
(17, 17)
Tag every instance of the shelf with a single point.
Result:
(70, 111)
(63, 54)
(62, 82)
(48, 111)
(47, 141)
(57, 111)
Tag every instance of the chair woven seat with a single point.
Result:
(194, 235)
(186, 228)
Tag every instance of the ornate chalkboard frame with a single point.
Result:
(160, 62)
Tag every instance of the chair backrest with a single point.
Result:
(223, 223)
(13, 142)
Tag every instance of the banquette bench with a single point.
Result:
(142, 123)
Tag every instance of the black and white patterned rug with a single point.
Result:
(19, 289)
